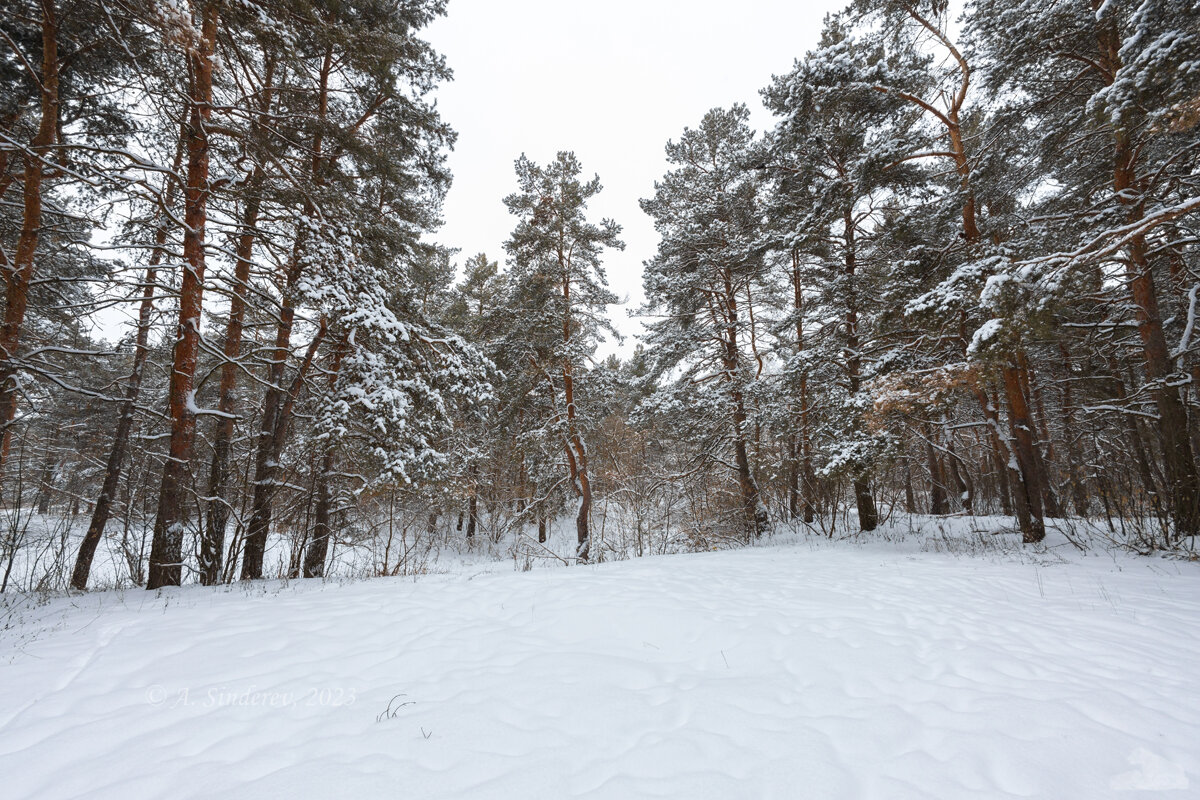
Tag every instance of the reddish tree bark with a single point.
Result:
(166, 550)
(1183, 481)
(19, 274)
(1029, 497)
(577, 455)
(950, 120)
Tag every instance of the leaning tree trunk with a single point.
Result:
(116, 456)
(212, 544)
(277, 402)
(141, 351)
(273, 428)
(959, 477)
(273, 434)
(166, 550)
(318, 548)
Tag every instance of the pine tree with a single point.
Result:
(707, 213)
(1107, 90)
(379, 142)
(166, 554)
(837, 157)
(561, 286)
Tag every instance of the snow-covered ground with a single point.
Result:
(809, 670)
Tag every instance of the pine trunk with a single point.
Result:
(141, 351)
(212, 543)
(166, 550)
(1029, 498)
(999, 453)
(473, 503)
(807, 475)
(1079, 494)
(1182, 479)
(277, 403)
(868, 515)
(1134, 433)
(1037, 414)
(19, 274)
(753, 516)
(937, 483)
(577, 450)
(116, 456)
(272, 436)
(318, 548)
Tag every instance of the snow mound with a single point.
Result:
(784, 672)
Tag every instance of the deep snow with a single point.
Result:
(802, 671)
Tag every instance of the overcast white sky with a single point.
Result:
(612, 81)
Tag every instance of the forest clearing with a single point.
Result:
(627, 399)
